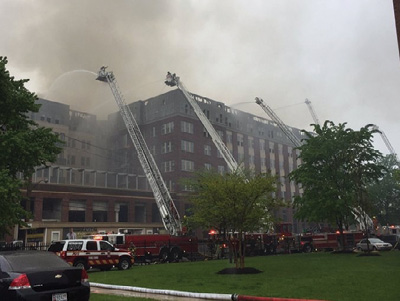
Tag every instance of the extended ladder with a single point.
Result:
(173, 80)
(285, 129)
(169, 213)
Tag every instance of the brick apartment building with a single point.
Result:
(97, 183)
(396, 9)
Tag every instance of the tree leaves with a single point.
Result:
(23, 145)
(337, 164)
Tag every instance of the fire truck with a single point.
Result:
(390, 234)
(154, 247)
(283, 241)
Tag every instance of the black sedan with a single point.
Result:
(37, 275)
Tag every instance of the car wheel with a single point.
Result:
(176, 254)
(124, 263)
(164, 254)
(80, 264)
(307, 248)
(374, 249)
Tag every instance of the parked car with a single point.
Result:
(40, 275)
(375, 244)
(392, 239)
(90, 253)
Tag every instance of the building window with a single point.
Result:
(100, 211)
(271, 147)
(251, 159)
(168, 166)
(187, 165)
(121, 210)
(262, 145)
(251, 142)
(186, 127)
(205, 133)
(51, 209)
(221, 169)
(55, 235)
(207, 150)
(77, 210)
(155, 214)
(228, 137)
(207, 166)
(187, 146)
(140, 213)
(240, 140)
(166, 147)
(167, 128)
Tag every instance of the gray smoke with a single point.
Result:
(341, 55)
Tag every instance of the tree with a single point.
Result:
(23, 145)
(385, 194)
(232, 202)
(337, 165)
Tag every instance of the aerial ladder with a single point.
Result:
(173, 80)
(359, 215)
(284, 128)
(310, 108)
(166, 206)
(386, 141)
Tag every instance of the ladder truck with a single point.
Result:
(166, 206)
(173, 80)
(359, 215)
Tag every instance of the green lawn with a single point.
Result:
(323, 276)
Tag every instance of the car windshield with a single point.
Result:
(24, 261)
(375, 240)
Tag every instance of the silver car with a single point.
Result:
(375, 244)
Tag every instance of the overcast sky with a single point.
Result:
(341, 55)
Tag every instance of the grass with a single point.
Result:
(323, 276)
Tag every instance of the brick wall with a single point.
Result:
(396, 7)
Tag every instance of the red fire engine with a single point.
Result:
(284, 241)
(154, 247)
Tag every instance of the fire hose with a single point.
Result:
(208, 296)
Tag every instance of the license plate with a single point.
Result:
(59, 297)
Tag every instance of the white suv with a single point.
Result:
(88, 253)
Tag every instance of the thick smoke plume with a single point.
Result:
(342, 55)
